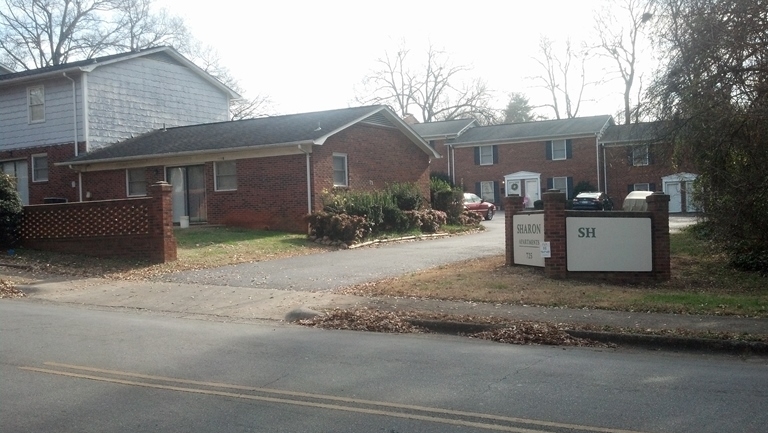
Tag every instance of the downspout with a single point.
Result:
(74, 128)
(605, 170)
(309, 185)
(597, 158)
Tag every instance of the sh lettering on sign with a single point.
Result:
(587, 232)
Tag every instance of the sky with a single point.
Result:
(313, 55)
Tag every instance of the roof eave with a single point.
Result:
(521, 140)
(72, 164)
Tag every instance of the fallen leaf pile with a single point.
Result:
(510, 332)
(525, 332)
(8, 290)
(362, 320)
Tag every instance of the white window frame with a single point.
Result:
(640, 155)
(642, 187)
(346, 170)
(30, 117)
(129, 192)
(564, 150)
(486, 159)
(565, 183)
(37, 170)
(217, 176)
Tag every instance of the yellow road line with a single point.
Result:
(489, 417)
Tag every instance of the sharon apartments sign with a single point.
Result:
(609, 244)
(528, 238)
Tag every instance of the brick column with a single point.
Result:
(512, 206)
(658, 205)
(161, 224)
(554, 233)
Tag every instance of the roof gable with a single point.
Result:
(287, 130)
(534, 131)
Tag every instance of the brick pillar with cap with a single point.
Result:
(512, 205)
(554, 232)
(163, 242)
(658, 205)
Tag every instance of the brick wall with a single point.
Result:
(620, 173)
(376, 156)
(59, 183)
(555, 217)
(271, 194)
(137, 228)
(531, 157)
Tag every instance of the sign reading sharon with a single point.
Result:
(528, 236)
(609, 244)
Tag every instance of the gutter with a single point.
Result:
(74, 128)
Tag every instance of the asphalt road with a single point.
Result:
(65, 369)
(348, 267)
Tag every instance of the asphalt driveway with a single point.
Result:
(347, 267)
(341, 268)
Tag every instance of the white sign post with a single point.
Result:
(528, 237)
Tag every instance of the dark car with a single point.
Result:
(476, 204)
(592, 201)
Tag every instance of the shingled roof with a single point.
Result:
(534, 131)
(644, 132)
(274, 131)
(446, 129)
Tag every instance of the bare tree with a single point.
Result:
(38, 33)
(434, 90)
(246, 108)
(619, 43)
(559, 73)
(138, 27)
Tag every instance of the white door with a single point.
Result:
(513, 187)
(675, 197)
(532, 192)
(18, 170)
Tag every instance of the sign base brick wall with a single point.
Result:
(556, 234)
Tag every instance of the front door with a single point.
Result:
(18, 171)
(188, 194)
(675, 197)
(531, 191)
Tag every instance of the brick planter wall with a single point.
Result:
(133, 228)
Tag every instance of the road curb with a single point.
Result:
(654, 342)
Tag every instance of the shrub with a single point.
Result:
(11, 211)
(469, 218)
(583, 186)
(406, 196)
(427, 220)
(538, 204)
(341, 227)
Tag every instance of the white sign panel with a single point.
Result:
(609, 244)
(527, 238)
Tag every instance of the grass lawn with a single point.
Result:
(701, 283)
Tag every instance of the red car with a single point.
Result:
(476, 204)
